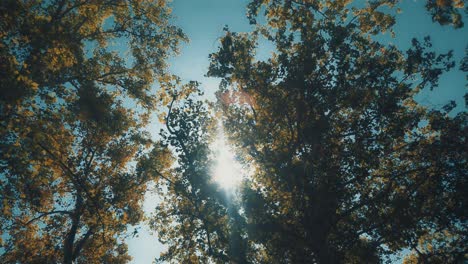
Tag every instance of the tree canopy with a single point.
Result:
(345, 165)
(349, 167)
(72, 109)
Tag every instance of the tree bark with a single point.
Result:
(70, 238)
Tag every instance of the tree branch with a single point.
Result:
(46, 214)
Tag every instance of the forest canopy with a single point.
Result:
(72, 111)
(345, 165)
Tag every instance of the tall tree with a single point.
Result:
(195, 219)
(75, 94)
(348, 166)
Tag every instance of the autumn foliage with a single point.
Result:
(72, 151)
(346, 166)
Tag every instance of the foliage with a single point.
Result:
(195, 218)
(72, 149)
(348, 166)
(446, 12)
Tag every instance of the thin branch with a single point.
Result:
(46, 214)
(314, 7)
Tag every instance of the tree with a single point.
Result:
(73, 105)
(348, 166)
(195, 219)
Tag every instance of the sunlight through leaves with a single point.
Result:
(227, 171)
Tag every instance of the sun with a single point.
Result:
(227, 172)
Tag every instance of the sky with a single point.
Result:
(203, 22)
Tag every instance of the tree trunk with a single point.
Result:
(68, 255)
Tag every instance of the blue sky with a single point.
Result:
(203, 22)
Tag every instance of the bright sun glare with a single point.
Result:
(227, 171)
